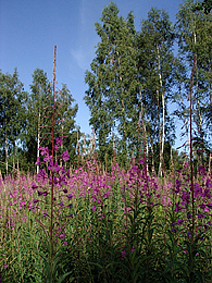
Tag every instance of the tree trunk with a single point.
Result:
(198, 100)
(161, 139)
(124, 125)
(6, 155)
(38, 144)
(124, 131)
(145, 143)
(152, 150)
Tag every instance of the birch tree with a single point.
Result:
(112, 95)
(12, 114)
(155, 44)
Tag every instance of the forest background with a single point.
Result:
(136, 89)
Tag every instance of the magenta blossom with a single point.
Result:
(59, 141)
(123, 253)
(44, 150)
(38, 161)
(54, 167)
(34, 186)
(65, 156)
(70, 196)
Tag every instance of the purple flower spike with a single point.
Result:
(123, 253)
(38, 161)
(206, 193)
(209, 205)
(54, 167)
(177, 186)
(61, 204)
(41, 176)
(44, 150)
(47, 158)
(177, 207)
(202, 205)
(70, 205)
(189, 215)
(68, 174)
(45, 193)
(59, 141)
(201, 216)
(202, 171)
(209, 184)
(65, 191)
(65, 156)
(70, 196)
(34, 186)
(56, 147)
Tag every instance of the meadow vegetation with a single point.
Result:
(118, 226)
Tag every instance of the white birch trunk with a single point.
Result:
(6, 155)
(161, 139)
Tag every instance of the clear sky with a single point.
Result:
(29, 29)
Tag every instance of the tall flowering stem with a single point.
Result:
(191, 150)
(52, 185)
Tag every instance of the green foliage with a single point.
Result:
(66, 124)
(12, 115)
(112, 81)
(157, 78)
(25, 120)
(193, 29)
(38, 116)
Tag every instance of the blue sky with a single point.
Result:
(30, 29)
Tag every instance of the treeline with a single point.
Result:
(26, 120)
(136, 76)
(138, 84)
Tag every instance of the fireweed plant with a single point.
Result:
(103, 236)
(85, 224)
(52, 192)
